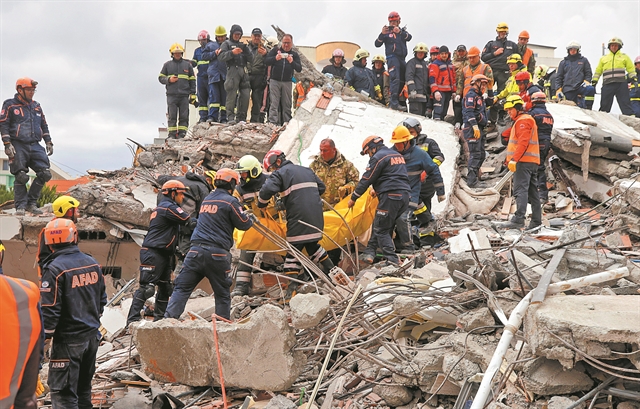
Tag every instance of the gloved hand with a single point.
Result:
(49, 147)
(559, 94)
(345, 190)
(413, 94)
(437, 95)
(192, 223)
(512, 166)
(631, 80)
(9, 150)
(39, 387)
(423, 176)
(192, 99)
(441, 198)
(485, 96)
(457, 98)
(594, 82)
(476, 132)
(252, 216)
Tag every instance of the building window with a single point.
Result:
(5, 164)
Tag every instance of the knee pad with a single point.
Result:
(22, 178)
(43, 176)
(148, 290)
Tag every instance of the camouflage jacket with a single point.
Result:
(341, 172)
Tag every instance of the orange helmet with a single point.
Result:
(524, 34)
(393, 16)
(538, 97)
(370, 142)
(271, 158)
(479, 78)
(25, 82)
(227, 175)
(60, 231)
(473, 52)
(173, 186)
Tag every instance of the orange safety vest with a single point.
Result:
(21, 328)
(468, 73)
(527, 56)
(301, 92)
(519, 132)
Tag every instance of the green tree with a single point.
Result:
(48, 195)
(5, 194)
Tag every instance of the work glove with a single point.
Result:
(345, 190)
(559, 94)
(512, 166)
(631, 80)
(9, 150)
(441, 198)
(413, 94)
(485, 96)
(476, 132)
(39, 387)
(252, 216)
(594, 82)
(49, 147)
(437, 95)
(457, 98)
(423, 176)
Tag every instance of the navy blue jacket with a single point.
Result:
(431, 147)
(418, 160)
(361, 79)
(394, 44)
(498, 62)
(572, 72)
(386, 171)
(544, 120)
(22, 121)
(217, 70)
(249, 191)
(300, 191)
(474, 110)
(201, 63)
(72, 294)
(220, 213)
(282, 70)
(163, 227)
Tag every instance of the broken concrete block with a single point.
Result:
(406, 306)
(475, 318)
(460, 243)
(201, 306)
(562, 402)
(459, 369)
(582, 262)
(307, 310)
(494, 272)
(258, 353)
(146, 159)
(280, 402)
(547, 377)
(431, 272)
(394, 395)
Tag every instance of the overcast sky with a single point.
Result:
(97, 62)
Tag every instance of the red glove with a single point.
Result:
(423, 176)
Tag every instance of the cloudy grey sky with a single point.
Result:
(97, 62)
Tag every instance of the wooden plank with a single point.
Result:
(506, 208)
(136, 383)
(540, 292)
(141, 375)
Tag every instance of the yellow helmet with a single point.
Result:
(361, 53)
(210, 174)
(220, 31)
(502, 26)
(401, 134)
(541, 70)
(514, 59)
(176, 48)
(251, 165)
(421, 47)
(512, 101)
(62, 205)
(379, 57)
(615, 40)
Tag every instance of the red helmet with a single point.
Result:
(173, 186)
(393, 16)
(523, 76)
(203, 35)
(227, 175)
(25, 82)
(271, 157)
(60, 231)
(434, 50)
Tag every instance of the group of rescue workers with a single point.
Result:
(196, 215)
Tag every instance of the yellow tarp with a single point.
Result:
(359, 218)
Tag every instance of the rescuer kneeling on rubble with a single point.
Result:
(387, 173)
(523, 157)
(211, 241)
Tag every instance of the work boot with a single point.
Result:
(533, 226)
(33, 209)
(20, 212)
(242, 288)
(326, 265)
(367, 258)
(508, 225)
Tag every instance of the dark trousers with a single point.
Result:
(441, 107)
(155, 270)
(217, 100)
(525, 190)
(25, 397)
(203, 97)
(545, 144)
(316, 253)
(396, 68)
(28, 155)
(71, 369)
(417, 107)
(258, 84)
(457, 112)
(403, 229)
(390, 208)
(178, 115)
(477, 154)
(427, 191)
(500, 78)
(238, 89)
(620, 90)
(635, 106)
(203, 261)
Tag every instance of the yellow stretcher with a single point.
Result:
(359, 218)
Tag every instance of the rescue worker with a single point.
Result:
(474, 114)
(634, 90)
(157, 251)
(528, 58)
(337, 173)
(497, 52)
(23, 126)
(526, 87)
(417, 76)
(511, 87)
(395, 39)
(381, 79)
(202, 78)
(251, 180)
(460, 60)
(283, 61)
(442, 78)
(212, 239)
(336, 66)
(420, 167)
(217, 73)
(64, 207)
(547, 81)
(544, 122)
(573, 79)
(429, 145)
(359, 77)
(615, 68)
(300, 190)
(466, 74)
(387, 174)
(177, 76)
(433, 55)
(20, 342)
(238, 57)
(257, 74)
(73, 296)
(523, 158)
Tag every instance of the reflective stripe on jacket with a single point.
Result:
(442, 76)
(615, 68)
(181, 68)
(417, 161)
(523, 141)
(201, 63)
(510, 87)
(23, 121)
(417, 76)
(217, 70)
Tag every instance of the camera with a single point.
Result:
(284, 55)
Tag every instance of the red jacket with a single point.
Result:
(442, 76)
